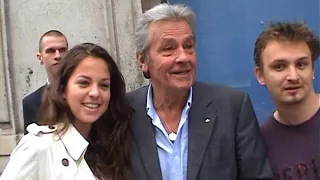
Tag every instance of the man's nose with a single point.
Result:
(57, 55)
(293, 74)
(182, 55)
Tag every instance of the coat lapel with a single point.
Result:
(201, 121)
(84, 172)
(143, 133)
(75, 145)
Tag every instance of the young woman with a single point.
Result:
(85, 124)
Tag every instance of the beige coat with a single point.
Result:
(43, 155)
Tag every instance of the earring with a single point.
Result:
(313, 77)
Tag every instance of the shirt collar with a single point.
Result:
(150, 107)
(74, 142)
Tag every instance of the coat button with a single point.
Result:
(65, 162)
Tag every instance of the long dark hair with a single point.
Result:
(108, 150)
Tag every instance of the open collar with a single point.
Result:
(74, 142)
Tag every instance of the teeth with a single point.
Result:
(89, 105)
(183, 72)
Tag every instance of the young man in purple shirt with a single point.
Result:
(285, 55)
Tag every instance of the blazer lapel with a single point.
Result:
(143, 133)
(201, 121)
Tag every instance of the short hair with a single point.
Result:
(54, 33)
(296, 31)
(160, 12)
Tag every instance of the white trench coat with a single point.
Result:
(43, 155)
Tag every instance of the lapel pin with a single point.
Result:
(207, 120)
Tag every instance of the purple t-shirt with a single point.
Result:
(293, 150)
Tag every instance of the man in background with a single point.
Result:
(52, 46)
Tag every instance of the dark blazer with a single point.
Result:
(229, 147)
(31, 106)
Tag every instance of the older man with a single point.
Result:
(184, 129)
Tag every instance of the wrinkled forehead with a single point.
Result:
(170, 28)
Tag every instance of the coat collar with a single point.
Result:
(74, 142)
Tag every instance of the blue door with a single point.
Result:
(226, 32)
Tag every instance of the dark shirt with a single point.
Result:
(293, 150)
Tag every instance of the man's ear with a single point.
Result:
(40, 59)
(143, 65)
(142, 61)
(259, 75)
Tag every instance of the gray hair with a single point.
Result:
(158, 13)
